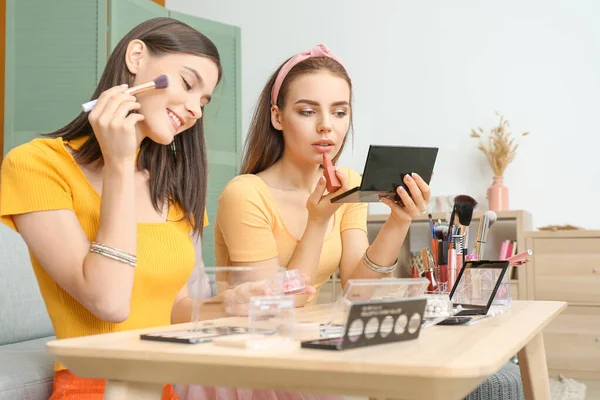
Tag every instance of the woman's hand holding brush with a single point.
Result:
(114, 125)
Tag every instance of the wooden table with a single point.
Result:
(445, 362)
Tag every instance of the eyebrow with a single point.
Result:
(314, 103)
(196, 74)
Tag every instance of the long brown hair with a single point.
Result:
(264, 144)
(178, 172)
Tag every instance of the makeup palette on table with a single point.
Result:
(377, 322)
(196, 336)
(193, 336)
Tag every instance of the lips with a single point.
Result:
(323, 146)
(324, 143)
(176, 120)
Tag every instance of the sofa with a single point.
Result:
(26, 369)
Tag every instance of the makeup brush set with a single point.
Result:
(444, 259)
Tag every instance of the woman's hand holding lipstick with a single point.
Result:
(412, 205)
(319, 206)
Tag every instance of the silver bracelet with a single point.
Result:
(378, 268)
(113, 253)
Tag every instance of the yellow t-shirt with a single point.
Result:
(42, 175)
(249, 228)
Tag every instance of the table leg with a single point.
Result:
(116, 390)
(534, 370)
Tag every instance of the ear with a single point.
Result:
(276, 118)
(136, 51)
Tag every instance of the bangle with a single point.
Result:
(113, 253)
(377, 268)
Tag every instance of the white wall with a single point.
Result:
(425, 73)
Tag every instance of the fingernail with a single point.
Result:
(415, 175)
(321, 180)
(408, 177)
(124, 86)
(400, 188)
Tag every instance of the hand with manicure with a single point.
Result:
(114, 124)
(412, 204)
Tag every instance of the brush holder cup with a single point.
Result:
(503, 299)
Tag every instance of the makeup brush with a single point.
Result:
(464, 206)
(433, 237)
(428, 264)
(452, 216)
(431, 226)
(439, 231)
(485, 223)
(160, 82)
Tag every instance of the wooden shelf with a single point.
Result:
(581, 233)
(502, 215)
(510, 225)
(519, 221)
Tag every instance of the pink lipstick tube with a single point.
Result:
(520, 259)
(332, 181)
(452, 272)
(459, 263)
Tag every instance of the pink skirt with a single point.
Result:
(195, 392)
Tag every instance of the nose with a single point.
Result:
(324, 124)
(193, 108)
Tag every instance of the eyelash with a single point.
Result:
(186, 84)
(338, 113)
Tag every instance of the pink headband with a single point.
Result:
(318, 51)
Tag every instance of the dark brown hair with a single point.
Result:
(264, 144)
(178, 172)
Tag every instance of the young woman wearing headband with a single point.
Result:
(278, 211)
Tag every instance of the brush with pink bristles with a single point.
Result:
(161, 82)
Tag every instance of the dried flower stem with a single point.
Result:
(501, 149)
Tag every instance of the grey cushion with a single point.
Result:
(505, 384)
(22, 310)
(26, 370)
